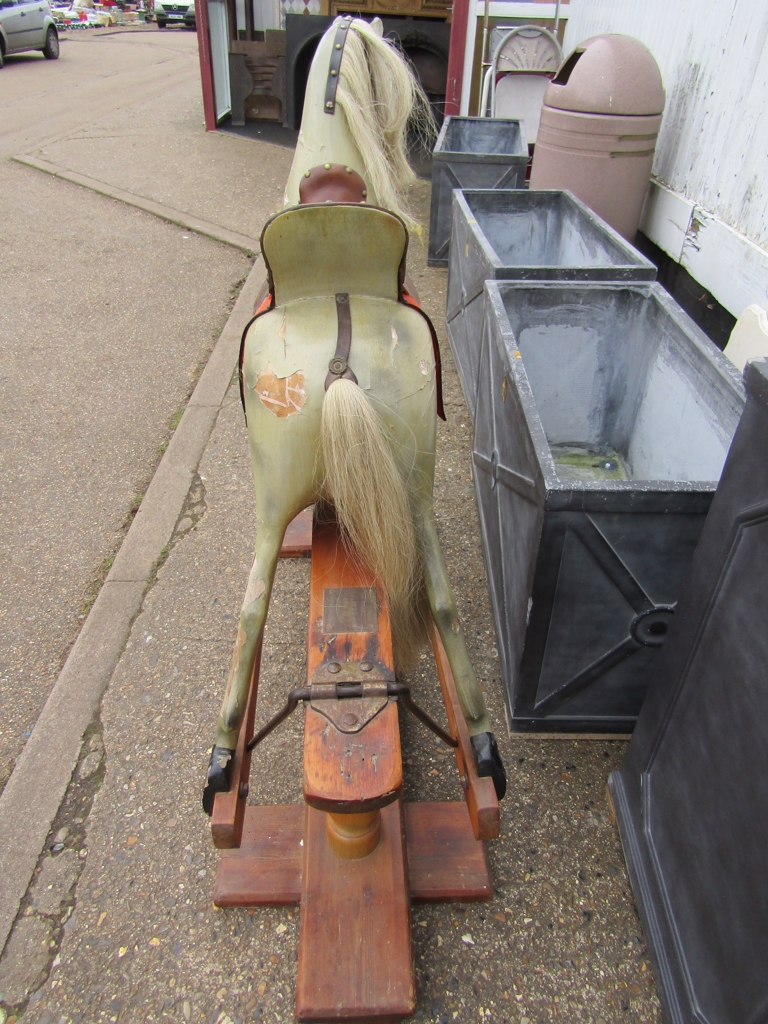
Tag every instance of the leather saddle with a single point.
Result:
(332, 249)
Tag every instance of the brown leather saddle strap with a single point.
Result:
(338, 367)
(268, 303)
(335, 64)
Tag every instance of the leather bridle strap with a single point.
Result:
(335, 64)
(338, 367)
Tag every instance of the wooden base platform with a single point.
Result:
(353, 856)
(355, 956)
(444, 860)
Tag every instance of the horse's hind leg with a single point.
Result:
(446, 616)
(269, 538)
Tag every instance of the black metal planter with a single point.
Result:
(691, 799)
(471, 152)
(603, 420)
(524, 236)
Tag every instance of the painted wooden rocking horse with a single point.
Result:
(340, 375)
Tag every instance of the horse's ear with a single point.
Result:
(378, 27)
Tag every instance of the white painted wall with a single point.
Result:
(710, 208)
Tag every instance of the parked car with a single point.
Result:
(27, 25)
(175, 13)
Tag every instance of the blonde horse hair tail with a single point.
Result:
(364, 483)
(380, 97)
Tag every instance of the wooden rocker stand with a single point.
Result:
(353, 856)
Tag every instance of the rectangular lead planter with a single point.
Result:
(471, 152)
(691, 798)
(605, 421)
(524, 236)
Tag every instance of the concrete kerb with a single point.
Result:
(168, 213)
(33, 794)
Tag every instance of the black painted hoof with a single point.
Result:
(488, 761)
(218, 779)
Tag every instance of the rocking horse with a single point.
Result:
(340, 381)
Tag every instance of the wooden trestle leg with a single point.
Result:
(353, 856)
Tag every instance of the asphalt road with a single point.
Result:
(106, 316)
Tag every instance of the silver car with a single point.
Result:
(27, 25)
(175, 12)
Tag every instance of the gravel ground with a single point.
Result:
(120, 925)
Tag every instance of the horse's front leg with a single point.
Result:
(446, 616)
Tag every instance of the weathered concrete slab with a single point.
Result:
(25, 960)
(54, 883)
(169, 213)
(35, 789)
(224, 180)
(107, 316)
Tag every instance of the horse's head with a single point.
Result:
(361, 95)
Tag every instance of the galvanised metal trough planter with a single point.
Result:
(471, 152)
(524, 236)
(605, 419)
(691, 798)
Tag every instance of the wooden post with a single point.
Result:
(462, 11)
(206, 67)
(482, 802)
(353, 836)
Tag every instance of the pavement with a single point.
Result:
(102, 348)
(101, 799)
(107, 318)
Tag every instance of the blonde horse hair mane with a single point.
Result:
(381, 98)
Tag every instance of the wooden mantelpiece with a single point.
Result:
(389, 8)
